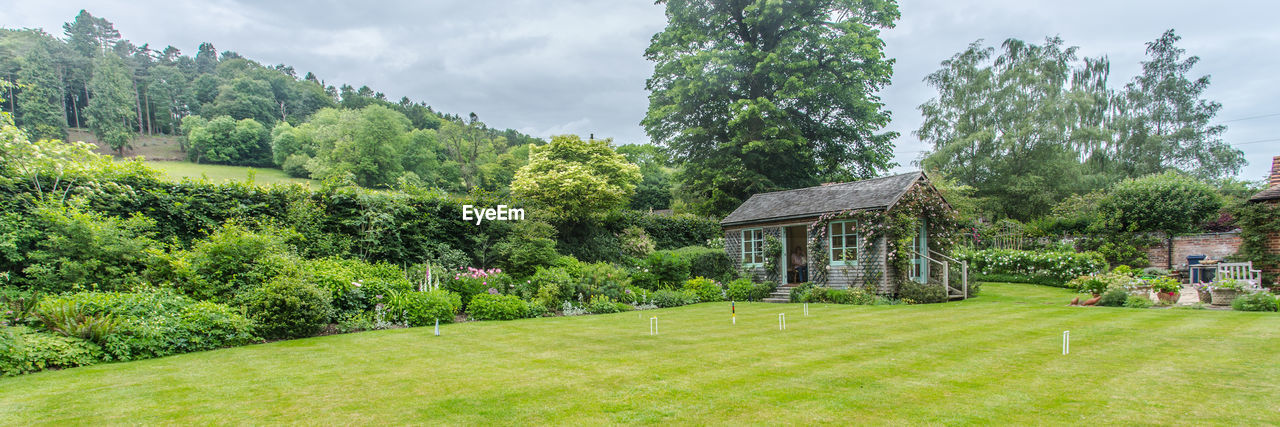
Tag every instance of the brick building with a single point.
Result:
(1271, 196)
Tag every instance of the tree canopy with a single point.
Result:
(573, 180)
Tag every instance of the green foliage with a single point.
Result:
(1164, 284)
(242, 98)
(155, 323)
(820, 294)
(111, 111)
(232, 260)
(70, 319)
(1169, 202)
(670, 268)
(707, 262)
(493, 306)
(1057, 266)
(636, 242)
(1114, 297)
(1136, 301)
(550, 287)
(469, 282)
(674, 231)
(23, 350)
(705, 289)
(666, 298)
(790, 116)
(921, 293)
(1258, 222)
(423, 308)
(602, 304)
(1255, 301)
(529, 246)
(224, 140)
(354, 286)
(41, 96)
(287, 307)
(573, 180)
(79, 249)
(602, 278)
(744, 290)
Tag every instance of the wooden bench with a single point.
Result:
(1241, 271)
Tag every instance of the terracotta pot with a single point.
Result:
(1205, 296)
(1168, 297)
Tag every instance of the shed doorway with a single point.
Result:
(795, 254)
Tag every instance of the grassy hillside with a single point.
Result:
(220, 173)
(152, 147)
(995, 359)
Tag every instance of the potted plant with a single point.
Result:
(1093, 285)
(1202, 290)
(1167, 290)
(1225, 291)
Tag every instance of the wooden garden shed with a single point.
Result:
(872, 234)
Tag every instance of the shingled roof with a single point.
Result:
(813, 201)
(1273, 184)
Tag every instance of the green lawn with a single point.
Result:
(220, 173)
(996, 359)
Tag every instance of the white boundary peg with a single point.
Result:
(806, 309)
(437, 327)
(782, 321)
(653, 325)
(1066, 342)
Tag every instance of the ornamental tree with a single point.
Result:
(1169, 202)
(572, 180)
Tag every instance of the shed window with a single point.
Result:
(753, 247)
(844, 243)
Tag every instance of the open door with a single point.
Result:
(920, 244)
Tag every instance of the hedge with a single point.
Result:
(1047, 268)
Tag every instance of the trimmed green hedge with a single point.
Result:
(1047, 268)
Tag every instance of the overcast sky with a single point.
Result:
(577, 66)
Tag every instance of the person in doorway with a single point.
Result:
(797, 260)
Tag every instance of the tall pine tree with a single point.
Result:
(111, 106)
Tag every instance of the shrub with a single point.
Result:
(80, 250)
(706, 290)
(232, 260)
(921, 293)
(602, 278)
(288, 307)
(495, 306)
(601, 304)
(530, 245)
(354, 285)
(645, 279)
(414, 308)
(1256, 301)
(1114, 297)
(23, 350)
(1051, 267)
(68, 318)
(707, 262)
(159, 322)
(798, 292)
(636, 242)
(744, 290)
(1135, 301)
(470, 282)
(671, 298)
(550, 287)
(671, 268)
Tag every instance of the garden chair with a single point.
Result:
(1241, 271)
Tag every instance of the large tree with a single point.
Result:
(758, 95)
(570, 180)
(111, 106)
(40, 100)
(1166, 122)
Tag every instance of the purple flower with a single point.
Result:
(493, 291)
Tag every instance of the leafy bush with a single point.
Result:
(530, 245)
(1135, 301)
(601, 304)
(470, 282)
(1164, 284)
(23, 350)
(744, 290)
(645, 279)
(671, 268)
(1114, 297)
(68, 318)
(674, 231)
(414, 308)
(921, 293)
(550, 287)
(706, 290)
(288, 307)
(354, 285)
(636, 242)
(79, 250)
(672, 298)
(1059, 267)
(1255, 301)
(707, 262)
(798, 293)
(602, 278)
(158, 322)
(494, 306)
(232, 260)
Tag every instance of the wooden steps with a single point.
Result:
(782, 294)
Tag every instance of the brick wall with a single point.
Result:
(1273, 240)
(1215, 245)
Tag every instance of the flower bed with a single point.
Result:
(1045, 268)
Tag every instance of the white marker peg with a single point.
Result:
(1066, 342)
